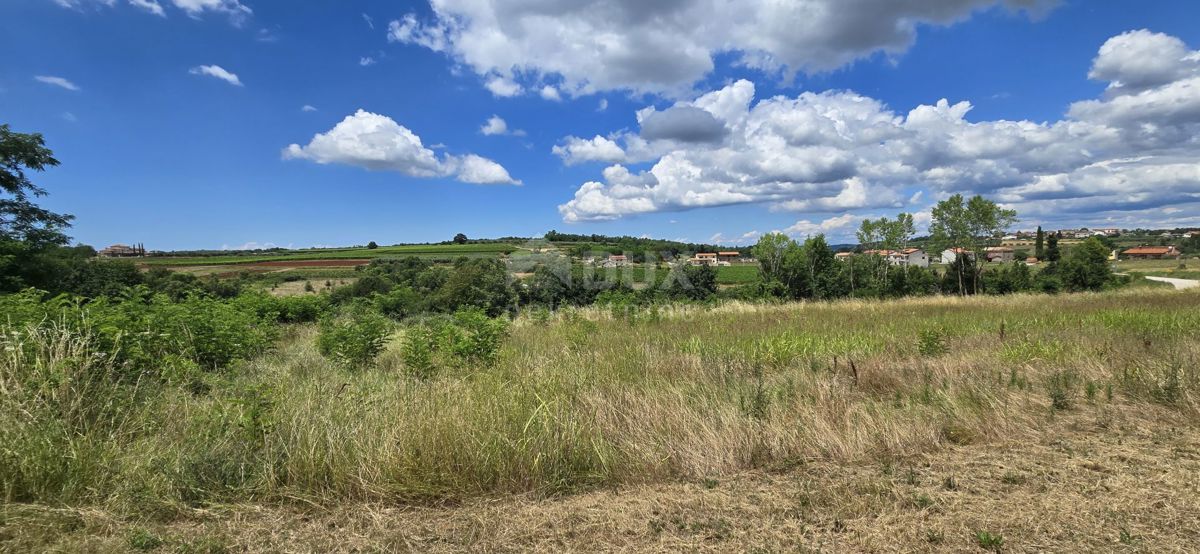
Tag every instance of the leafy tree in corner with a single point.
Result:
(968, 224)
(460, 239)
(26, 229)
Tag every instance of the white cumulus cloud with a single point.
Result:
(833, 152)
(377, 142)
(665, 47)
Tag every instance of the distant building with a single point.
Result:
(1150, 253)
(842, 256)
(1001, 254)
(122, 251)
(616, 260)
(730, 256)
(705, 258)
(913, 257)
(950, 255)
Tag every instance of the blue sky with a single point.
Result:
(804, 122)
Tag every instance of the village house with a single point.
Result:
(705, 258)
(1001, 254)
(729, 256)
(950, 255)
(616, 260)
(122, 251)
(842, 256)
(1150, 253)
(912, 257)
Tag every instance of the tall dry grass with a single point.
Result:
(590, 398)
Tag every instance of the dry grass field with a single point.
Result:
(1017, 424)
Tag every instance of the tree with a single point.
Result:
(27, 231)
(20, 219)
(371, 245)
(1039, 250)
(1086, 268)
(1053, 255)
(968, 224)
(769, 252)
(460, 239)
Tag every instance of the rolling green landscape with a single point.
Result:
(447, 251)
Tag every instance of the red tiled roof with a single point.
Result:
(1149, 250)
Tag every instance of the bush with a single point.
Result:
(142, 329)
(418, 349)
(353, 340)
(931, 343)
(474, 338)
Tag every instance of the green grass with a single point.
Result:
(741, 274)
(427, 251)
(585, 399)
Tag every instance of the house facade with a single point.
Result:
(1150, 253)
(1002, 254)
(950, 255)
(122, 251)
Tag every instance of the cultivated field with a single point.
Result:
(1020, 423)
(347, 255)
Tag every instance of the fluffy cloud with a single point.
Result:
(56, 81)
(308, 108)
(1139, 60)
(218, 72)
(665, 47)
(377, 142)
(577, 150)
(837, 151)
(496, 125)
(683, 124)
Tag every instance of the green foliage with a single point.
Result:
(931, 342)
(143, 539)
(989, 541)
(1061, 386)
(354, 340)
(371, 245)
(474, 338)
(417, 351)
(1086, 267)
(968, 224)
(141, 329)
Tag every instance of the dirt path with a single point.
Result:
(1180, 284)
(1091, 480)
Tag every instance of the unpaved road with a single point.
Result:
(1180, 284)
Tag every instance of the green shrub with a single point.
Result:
(354, 340)
(988, 541)
(1061, 387)
(418, 350)
(474, 338)
(931, 342)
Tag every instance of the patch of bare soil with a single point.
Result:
(1094, 480)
